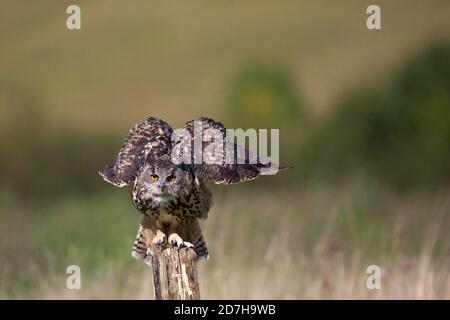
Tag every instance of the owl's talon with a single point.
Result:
(188, 244)
(159, 239)
(176, 240)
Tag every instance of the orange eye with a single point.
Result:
(154, 177)
(171, 178)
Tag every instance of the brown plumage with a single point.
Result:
(173, 196)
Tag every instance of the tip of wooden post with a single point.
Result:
(175, 274)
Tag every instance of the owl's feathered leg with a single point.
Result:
(191, 231)
(160, 238)
(147, 234)
(139, 249)
(174, 238)
(184, 234)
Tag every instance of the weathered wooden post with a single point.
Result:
(175, 274)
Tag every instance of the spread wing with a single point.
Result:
(147, 140)
(220, 163)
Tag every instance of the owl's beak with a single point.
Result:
(162, 187)
(158, 190)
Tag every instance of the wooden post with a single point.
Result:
(175, 274)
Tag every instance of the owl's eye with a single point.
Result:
(154, 177)
(171, 178)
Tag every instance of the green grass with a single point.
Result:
(175, 60)
(279, 243)
(65, 96)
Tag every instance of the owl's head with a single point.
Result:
(163, 181)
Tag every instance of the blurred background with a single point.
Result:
(364, 119)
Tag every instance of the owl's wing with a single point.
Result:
(147, 140)
(219, 165)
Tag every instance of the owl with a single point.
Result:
(173, 195)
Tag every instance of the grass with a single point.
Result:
(282, 243)
(175, 60)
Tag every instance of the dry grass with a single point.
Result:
(313, 278)
(175, 60)
(279, 244)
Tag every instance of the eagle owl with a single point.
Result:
(172, 197)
